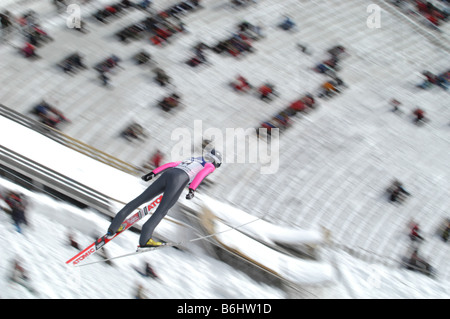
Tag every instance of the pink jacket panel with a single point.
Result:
(165, 166)
(208, 169)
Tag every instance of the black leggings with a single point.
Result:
(172, 182)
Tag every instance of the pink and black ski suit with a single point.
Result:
(175, 176)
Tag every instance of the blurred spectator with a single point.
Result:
(108, 12)
(133, 132)
(337, 52)
(108, 64)
(331, 88)
(18, 272)
(147, 272)
(304, 48)
(199, 57)
(132, 32)
(298, 106)
(48, 114)
(170, 102)
(144, 4)
(329, 66)
(445, 230)
(242, 3)
(127, 4)
(414, 233)
(419, 116)
(432, 79)
(195, 61)
(267, 127)
(235, 45)
(29, 51)
(20, 276)
(417, 263)
(309, 100)
(72, 242)
(156, 159)
(72, 63)
(282, 120)
(6, 24)
(241, 84)
(140, 292)
(199, 51)
(35, 35)
(249, 30)
(161, 77)
(104, 78)
(142, 58)
(266, 91)
(17, 204)
(395, 105)
(397, 192)
(287, 24)
(183, 7)
(431, 12)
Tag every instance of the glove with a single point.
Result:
(191, 194)
(148, 177)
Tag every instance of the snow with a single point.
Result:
(260, 229)
(287, 267)
(30, 143)
(43, 248)
(355, 130)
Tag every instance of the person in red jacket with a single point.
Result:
(266, 91)
(420, 116)
(298, 106)
(414, 234)
(241, 84)
(156, 159)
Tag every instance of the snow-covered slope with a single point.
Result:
(43, 248)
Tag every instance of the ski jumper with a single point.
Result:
(174, 178)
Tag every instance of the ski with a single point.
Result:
(137, 252)
(100, 242)
(169, 244)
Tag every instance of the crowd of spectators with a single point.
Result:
(30, 29)
(160, 26)
(432, 12)
(430, 79)
(240, 41)
(435, 12)
(49, 114)
(307, 102)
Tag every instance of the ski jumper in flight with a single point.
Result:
(175, 176)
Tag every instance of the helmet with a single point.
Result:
(214, 157)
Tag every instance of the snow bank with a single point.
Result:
(68, 162)
(260, 229)
(248, 236)
(295, 270)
